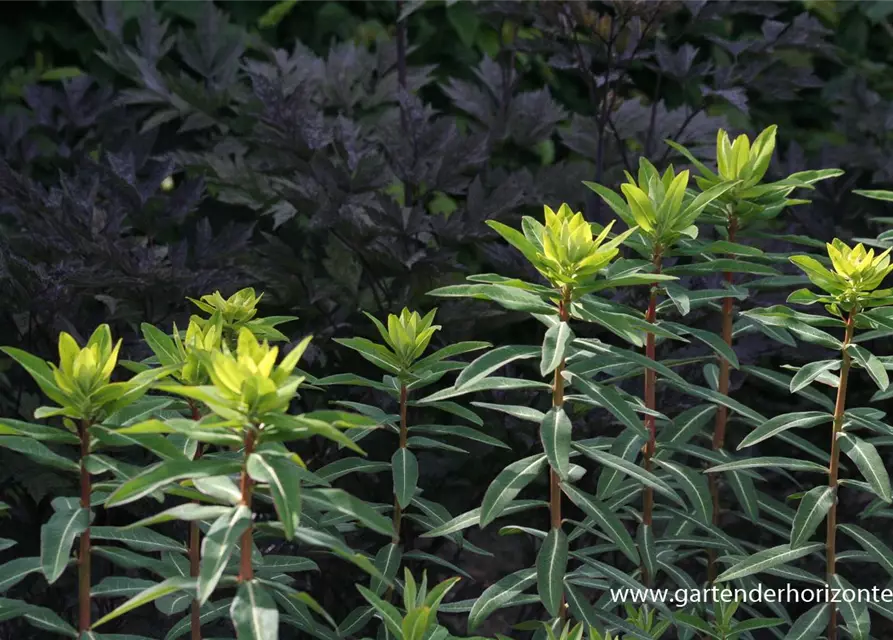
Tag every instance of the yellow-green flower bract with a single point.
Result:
(251, 378)
(407, 334)
(853, 280)
(564, 249)
(201, 337)
(238, 309)
(84, 371)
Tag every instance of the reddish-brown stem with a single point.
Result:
(650, 402)
(839, 409)
(195, 541)
(558, 401)
(404, 435)
(84, 552)
(246, 486)
(719, 429)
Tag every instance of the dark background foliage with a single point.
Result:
(341, 160)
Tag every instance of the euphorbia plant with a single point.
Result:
(248, 401)
(81, 386)
(662, 211)
(851, 294)
(748, 202)
(576, 260)
(406, 337)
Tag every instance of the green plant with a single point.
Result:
(747, 203)
(852, 299)
(87, 401)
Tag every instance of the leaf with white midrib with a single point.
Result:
(500, 594)
(56, 538)
(811, 624)
(855, 614)
(551, 564)
(554, 345)
(793, 464)
(14, 571)
(254, 613)
(606, 520)
(634, 471)
(555, 434)
(405, 469)
(784, 422)
(766, 559)
(508, 484)
(881, 552)
(491, 361)
(813, 507)
(870, 464)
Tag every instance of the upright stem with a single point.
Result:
(246, 569)
(84, 553)
(558, 401)
(195, 541)
(839, 408)
(650, 401)
(719, 429)
(404, 433)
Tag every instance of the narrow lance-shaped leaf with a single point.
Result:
(555, 433)
(254, 612)
(555, 344)
(283, 477)
(405, 469)
(56, 538)
(869, 462)
(767, 559)
(551, 565)
(814, 506)
(509, 484)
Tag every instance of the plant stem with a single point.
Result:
(839, 408)
(650, 402)
(84, 552)
(558, 401)
(195, 538)
(719, 429)
(404, 433)
(246, 569)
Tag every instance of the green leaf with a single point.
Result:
(872, 364)
(772, 462)
(558, 336)
(500, 595)
(491, 361)
(218, 546)
(16, 570)
(611, 400)
(508, 297)
(471, 518)
(647, 552)
(694, 485)
(448, 352)
(139, 539)
(605, 519)
(721, 265)
(345, 466)
(881, 553)
(115, 587)
(378, 355)
(551, 565)
(869, 462)
(283, 476)
(387, 561)
(154, 592)
(811, 625)
(810, 372)
(254, 612)
(555, 434)
(634, 471)
(38, 452)
(406, 475)
(208, 613)
(508, 484)
(459, 431)
(188, 512)
(778, 424)
(161, 344)
(163, 473)
(814, 506)
(386, 611)
(272, 17)
(57, 537)
(767, 559)
(40, 371)
(855, 613)
(342, 502)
